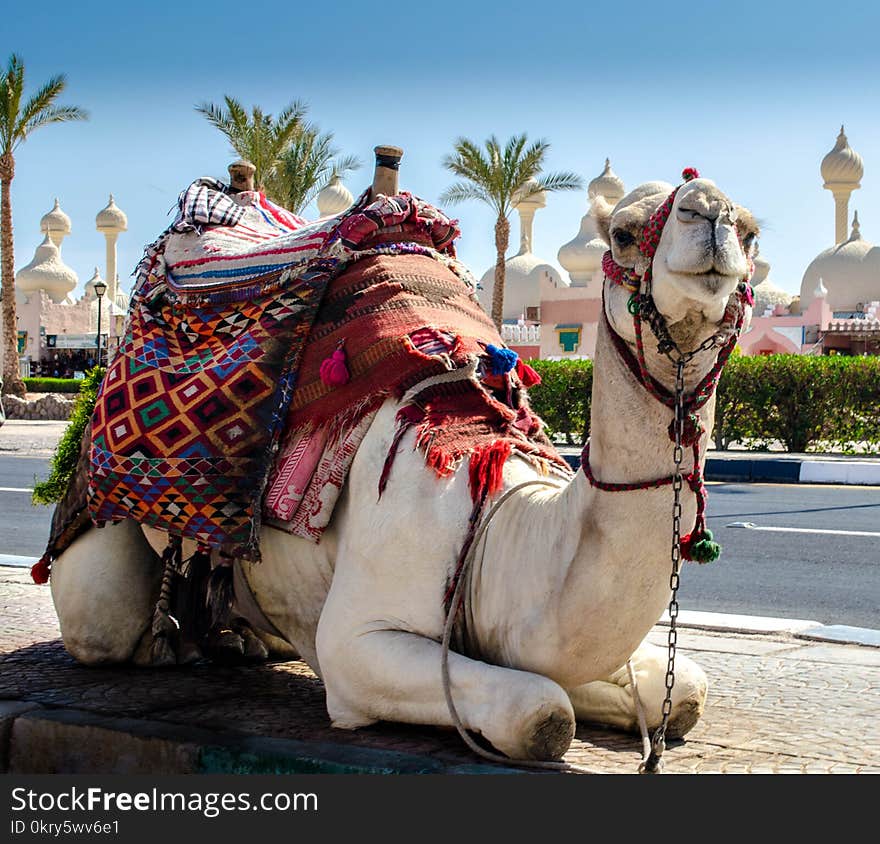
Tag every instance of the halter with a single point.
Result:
(686, 428)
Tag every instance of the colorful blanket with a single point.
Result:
(189, 415)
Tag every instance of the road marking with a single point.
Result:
(14, 489)
(753, 526)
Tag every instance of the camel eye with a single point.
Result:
(623, 238)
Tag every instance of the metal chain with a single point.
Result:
(653, 764)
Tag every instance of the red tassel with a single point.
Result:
(40, 570)
(527, 376)
(486, 470)
(406, 418)
(334, 369)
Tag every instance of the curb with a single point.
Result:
(38, 740)
(781, 470)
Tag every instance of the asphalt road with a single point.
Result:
(832, 578)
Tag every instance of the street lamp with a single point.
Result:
(100, 290)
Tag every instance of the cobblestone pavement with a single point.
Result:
(776, 705)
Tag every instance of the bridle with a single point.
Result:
(686, 428)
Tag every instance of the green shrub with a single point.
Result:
(52, 385)
(66, 455)
(804, 402)
(562, 399)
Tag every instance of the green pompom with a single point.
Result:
(704, 550)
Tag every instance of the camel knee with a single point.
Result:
(104, 587)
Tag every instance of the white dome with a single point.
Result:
(850, 272)
(607, 185)
(55, 221)
(522, 284)
(538, 199)
(47, 272)
(582, 256)
(111, 218)
(843, 165)
(335, 198)
(90, 285)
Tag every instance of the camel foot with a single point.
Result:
(254, 649)
(551, 735)
(225, 647)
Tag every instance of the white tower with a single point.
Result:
(842, 170)
(110, 222)
(582, 256)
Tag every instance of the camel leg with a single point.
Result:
(392, 675)
(610, 702)
(104, 587)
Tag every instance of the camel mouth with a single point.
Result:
(714, 282)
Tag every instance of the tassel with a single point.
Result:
(486, 469)
(527, 376)
(334, 369)
(699, 547)
(690, 173)
(164, 626)
(40, 570)
(501, 360)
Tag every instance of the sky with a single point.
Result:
(752, 94)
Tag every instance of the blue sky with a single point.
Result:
(752, 94)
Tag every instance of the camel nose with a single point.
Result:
(712, 211)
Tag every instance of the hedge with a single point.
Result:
(829, 403)
(52, 385)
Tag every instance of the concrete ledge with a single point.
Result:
(48, 741)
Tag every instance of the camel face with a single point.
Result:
(705, 249)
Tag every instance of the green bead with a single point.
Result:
(633, 304)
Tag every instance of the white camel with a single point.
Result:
(567, 581)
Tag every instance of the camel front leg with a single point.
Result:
(104, 587)
(391, 675)
(611, 703)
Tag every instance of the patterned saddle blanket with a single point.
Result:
(215, 409)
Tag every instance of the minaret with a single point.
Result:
(842, 170)
(526, 209)
(110, 222)
(56, 224)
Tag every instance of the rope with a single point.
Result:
(640, 713)
(454, 608)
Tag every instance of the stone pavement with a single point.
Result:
(777, 703)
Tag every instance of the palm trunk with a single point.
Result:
(502, 238)
(12, 382)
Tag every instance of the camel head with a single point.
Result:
(689, 248)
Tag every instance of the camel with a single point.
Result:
(568, 578)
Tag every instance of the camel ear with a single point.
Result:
(601, 210)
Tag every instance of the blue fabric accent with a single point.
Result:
(501, 361)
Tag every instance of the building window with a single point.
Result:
(533, 314)
(569, 337)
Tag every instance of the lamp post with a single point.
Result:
(100, 290)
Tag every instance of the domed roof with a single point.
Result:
(538, 199)
(90, 285)
(111, 218)
(47, 272)
(843, 165)
(849, 270)
(522, 284)
(55, 220)
(607, 184)
(582, 256)
(335, 198)
(762, 270)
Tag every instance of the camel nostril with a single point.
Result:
(689, 215)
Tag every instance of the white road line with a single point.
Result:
(753, 526)
(14, 489)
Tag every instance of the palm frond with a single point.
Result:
(57, 114)
(463, 191)
(560, 181)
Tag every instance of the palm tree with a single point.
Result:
(306, 168)
(501, 178)
(17, 121)
(260, 138)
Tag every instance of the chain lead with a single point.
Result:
(653, 764)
